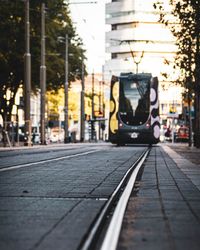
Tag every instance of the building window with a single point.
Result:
(114, 27)
(114, 55)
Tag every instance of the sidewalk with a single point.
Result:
(190, 153)
(187, 159)
(164, 210)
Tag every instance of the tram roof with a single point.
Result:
(135, 76)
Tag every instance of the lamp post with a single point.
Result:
(42, 78)
(190, 120)
(82, 102)
(82, 114)
(93, 117)
(100, 110)
(66, 126)
(27, 76)
(66, 86)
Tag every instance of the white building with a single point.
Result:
(137, 42)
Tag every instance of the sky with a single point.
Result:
(89, 20)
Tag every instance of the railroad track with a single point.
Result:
(80, 184)
(119, 200)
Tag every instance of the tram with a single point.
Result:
(134, 109)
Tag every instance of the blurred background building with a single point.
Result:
(137, 42)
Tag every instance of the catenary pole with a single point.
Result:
(42, 78)
(82, 101)
(27, 76)
(66, 126)
(82, 127)
(93, 118)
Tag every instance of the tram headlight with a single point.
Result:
(147, 125)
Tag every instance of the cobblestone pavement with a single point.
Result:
(163, 212)
(51, 204)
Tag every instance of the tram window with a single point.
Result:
(133, 85)
(134, 102)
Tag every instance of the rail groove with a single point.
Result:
(111, 238)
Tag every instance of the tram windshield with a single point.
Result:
(134, 101)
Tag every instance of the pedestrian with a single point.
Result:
(33, 137)
(168, 132)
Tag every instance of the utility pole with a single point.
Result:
(66, 140)
(42, 78)
(103, 103)
(189, 95)
(93, 95)
(100, 110)
(189, 118)
(66, 86)
(92, 120)
(82, 102)
(103, 86)
(82, 123)
(27, 76)
(197, 89)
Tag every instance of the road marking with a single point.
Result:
(112, 235)
(45, 161)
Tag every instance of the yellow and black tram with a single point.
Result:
(134, 109)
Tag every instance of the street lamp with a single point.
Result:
(82, 120)
(42, 78)
(82, 104)
(27, 76)
(93, 117)
(66, 126)
(66, 86)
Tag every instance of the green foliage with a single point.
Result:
(12, 47)
(11, 53)
(186, 29)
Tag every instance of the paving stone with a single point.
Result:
(163, 216)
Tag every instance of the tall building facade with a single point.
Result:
(137, 42)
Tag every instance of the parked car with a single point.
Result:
(182, 134)
(56, 135)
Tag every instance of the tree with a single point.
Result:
(12, 48)
(186, 29)
(11, 55)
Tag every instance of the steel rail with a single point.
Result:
(112, 234)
